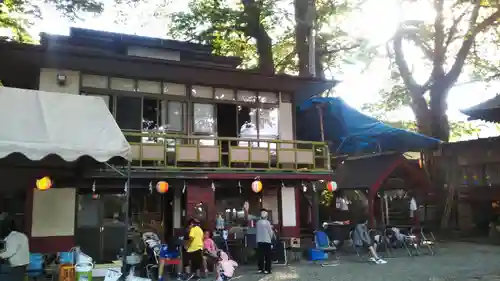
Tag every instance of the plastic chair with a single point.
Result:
(322, 242)
(35, 268)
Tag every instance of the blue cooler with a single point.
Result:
(317, 255)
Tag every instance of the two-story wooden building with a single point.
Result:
(193, 119)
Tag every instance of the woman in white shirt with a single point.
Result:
(16, 252)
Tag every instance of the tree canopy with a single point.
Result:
(459, 39)
(270, 35)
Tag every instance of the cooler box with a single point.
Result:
(317, 255)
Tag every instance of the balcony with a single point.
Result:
(159, 151)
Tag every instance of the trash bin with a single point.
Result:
(84, 271)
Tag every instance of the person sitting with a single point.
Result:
(209, 249)
(361, 238)
(225, 267)
(16, 252)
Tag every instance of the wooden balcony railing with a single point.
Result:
(168, 151)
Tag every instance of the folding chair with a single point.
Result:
(357, 249)
(424, 239)
(322, 242)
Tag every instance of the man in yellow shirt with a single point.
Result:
(195, 247)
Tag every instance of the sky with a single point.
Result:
(356, 88)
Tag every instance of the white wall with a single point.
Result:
(286, 112)
(53, 212)
(270, 202)
(288, 206)
(48, 81)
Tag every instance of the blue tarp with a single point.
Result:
(349, 130)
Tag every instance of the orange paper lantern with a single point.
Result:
(257, 186)
(162, 186)
(43, 183)
(331, 186)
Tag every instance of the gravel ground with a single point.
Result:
(453, 262)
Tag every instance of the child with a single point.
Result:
(225, 267)
(209, 249)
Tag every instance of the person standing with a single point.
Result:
(16, 252)
(264, 237)
(194, 249)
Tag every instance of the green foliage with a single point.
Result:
(222, 24)
(326, 198)
(18, 15)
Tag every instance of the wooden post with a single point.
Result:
(321, 127)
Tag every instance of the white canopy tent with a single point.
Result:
(36, 124)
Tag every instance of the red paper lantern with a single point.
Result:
(162, 187)
(331, 186)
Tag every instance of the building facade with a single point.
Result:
(192, 119)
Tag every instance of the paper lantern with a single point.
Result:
(257, 186)
(43, 183)
(331, 186)
(162, 187)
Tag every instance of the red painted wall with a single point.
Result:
(197, 192)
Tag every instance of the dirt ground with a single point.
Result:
(453, 262)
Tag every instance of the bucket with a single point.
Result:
(84, 271)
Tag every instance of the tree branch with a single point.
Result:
(413, 87)
(472, 32)
(439, 37)
(336, 50)
(454, 28)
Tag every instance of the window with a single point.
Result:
(203, 118)
(94, 81)
(202, 92)
(266, 97)
(150, 114)
(247, 96)
(268, 123)
(153, 87)
(122, 84)
(162, 115)
(128, 113)
(174, 89)
(224, 94)
(172, 115)
(108, 100)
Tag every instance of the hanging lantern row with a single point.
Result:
(44, 183)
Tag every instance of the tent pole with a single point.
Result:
(321, 128)
(127, 222)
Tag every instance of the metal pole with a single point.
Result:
(127, 222)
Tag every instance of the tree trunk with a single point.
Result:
(255, 29)
(438, 107)
(301, 36)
